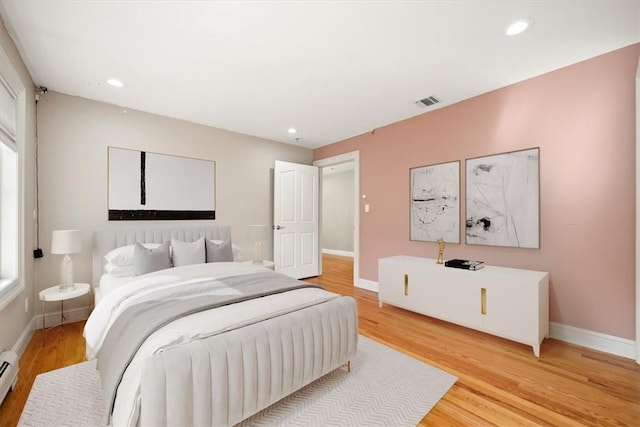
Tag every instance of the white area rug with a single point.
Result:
(385, 388)
(65, 397)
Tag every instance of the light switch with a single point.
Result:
(366, 208)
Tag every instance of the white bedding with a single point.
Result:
(160, 285)
(109, 282)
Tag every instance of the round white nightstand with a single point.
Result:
(265, 263)
(55, 294)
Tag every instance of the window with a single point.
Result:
(12, 109)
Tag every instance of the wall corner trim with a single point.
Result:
(367, 284)
(593, 340)
(25, 338)
(337, 252)
(52, 319)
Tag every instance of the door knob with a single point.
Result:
(277, 227)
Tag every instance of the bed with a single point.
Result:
(208, 343)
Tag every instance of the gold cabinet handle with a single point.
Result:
(406, 284)
(483, 300)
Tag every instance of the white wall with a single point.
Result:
(14, 320)
(337, 211)
(74, 134)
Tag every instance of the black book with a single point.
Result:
(464, 264)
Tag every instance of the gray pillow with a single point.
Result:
(146, 260)
(185, 253)
(219, 252)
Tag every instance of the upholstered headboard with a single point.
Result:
(111, 238)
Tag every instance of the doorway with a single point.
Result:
(342, 170)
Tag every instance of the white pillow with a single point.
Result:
(235, 249)
(186, 253)
(124, 254)
(120, 270)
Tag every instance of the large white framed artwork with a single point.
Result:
(435, 202)
(152, 186)
(502, 200)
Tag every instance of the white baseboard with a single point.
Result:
(593, 340)
(53, 318)
(367, 284)
(337, 252)
(23, 340)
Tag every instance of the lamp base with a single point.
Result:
(66, 275)
(257, 253)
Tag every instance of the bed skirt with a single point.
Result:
(224, 379)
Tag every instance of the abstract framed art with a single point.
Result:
(152, 186)
(503, 198)
(435, 202)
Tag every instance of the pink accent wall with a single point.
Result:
(583, 119)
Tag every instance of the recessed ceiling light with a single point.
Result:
(115, 83)
(292, 131)
(519, 26)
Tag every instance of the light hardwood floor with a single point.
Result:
(500, 382)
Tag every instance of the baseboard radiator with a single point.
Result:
(8, 373)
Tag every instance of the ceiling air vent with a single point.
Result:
(428, 101)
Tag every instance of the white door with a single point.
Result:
(295, 216)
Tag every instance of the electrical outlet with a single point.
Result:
(26, 304)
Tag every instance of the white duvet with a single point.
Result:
(160, 285)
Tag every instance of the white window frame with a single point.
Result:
(12, 288)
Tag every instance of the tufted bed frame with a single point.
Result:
(226, 378)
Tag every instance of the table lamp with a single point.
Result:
(66, 242)
(258, 233)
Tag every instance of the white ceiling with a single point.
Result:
(331, 69)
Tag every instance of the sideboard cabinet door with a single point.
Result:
(410, 283)
(461, 299)
(517, 305)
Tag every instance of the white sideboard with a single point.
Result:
(506, 302)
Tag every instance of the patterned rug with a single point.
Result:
(384, 388)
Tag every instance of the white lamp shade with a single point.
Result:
(258, 233)
(66, 242)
